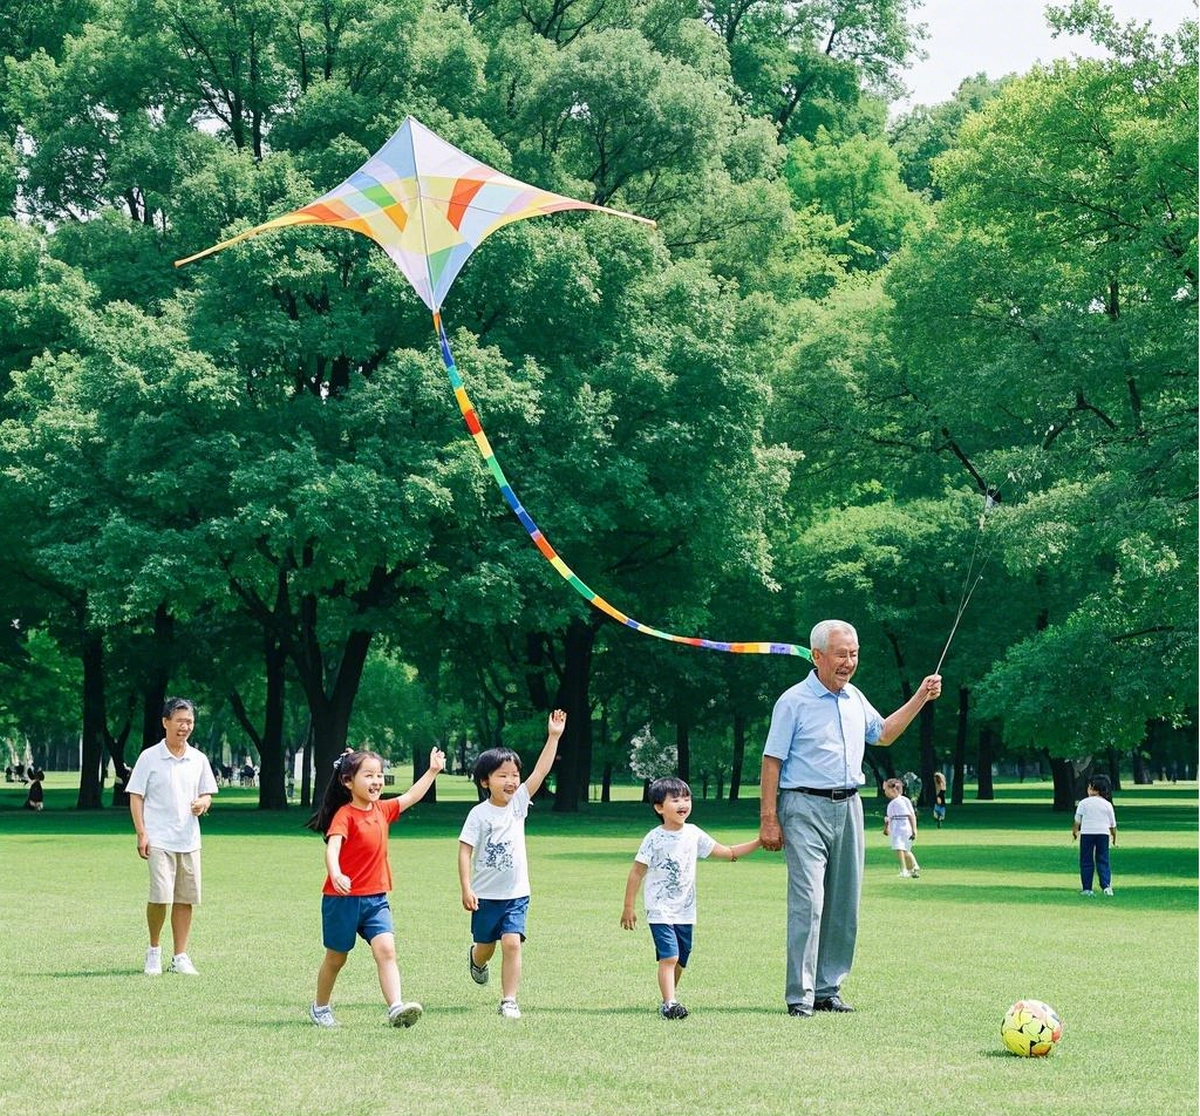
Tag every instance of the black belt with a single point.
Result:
(838, 794)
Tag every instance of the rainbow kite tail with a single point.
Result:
(471, 418)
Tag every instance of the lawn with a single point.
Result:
(995, 916)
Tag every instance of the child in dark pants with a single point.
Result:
(1095, 826)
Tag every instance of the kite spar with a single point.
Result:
(429, 205)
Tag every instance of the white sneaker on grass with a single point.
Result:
(153, 961)
(905, 875)
(509, 1009)
(479, 973)
(916, 872)
(322, 1016)
(182, 963)
(404, 1015)
(1108, 891)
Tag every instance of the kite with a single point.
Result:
(429, 206)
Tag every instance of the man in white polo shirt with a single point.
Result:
(170, 787)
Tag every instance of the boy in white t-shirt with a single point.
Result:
(900, 824)
(666, 861)
(1095, 825)
(492, 868)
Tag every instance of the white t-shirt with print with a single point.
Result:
(499, 868)
(670, 857)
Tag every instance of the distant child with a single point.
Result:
(35, 799)
(355, 821)
(939, 798)
(493, 870)
(666, 861)
(900, 823)
(1095, 824)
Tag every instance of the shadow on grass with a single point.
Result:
(1134, 897)
(96, 974)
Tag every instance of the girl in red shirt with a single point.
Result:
(355, 821)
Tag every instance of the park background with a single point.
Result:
(246, 480)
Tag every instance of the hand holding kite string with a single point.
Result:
(429, 205)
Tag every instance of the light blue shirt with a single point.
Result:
(820, 736)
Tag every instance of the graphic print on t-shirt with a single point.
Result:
(497, 855)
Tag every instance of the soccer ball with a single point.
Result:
(1031, 1028)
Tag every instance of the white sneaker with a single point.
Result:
(1086, 891)
(322, 1016)
(182, 963)
(509, 1009)
(905, 875)
(1108, 891)
(479, 973)
(153, 961)
(404, 1015)
(916, 872)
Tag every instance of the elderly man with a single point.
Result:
(811, 772)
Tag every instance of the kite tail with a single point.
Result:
(551, 555)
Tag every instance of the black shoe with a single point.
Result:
(834, 1003)
(800, 1010)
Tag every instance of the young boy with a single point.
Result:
(666, 861)
(900, 823)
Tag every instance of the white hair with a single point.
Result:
(818, 639)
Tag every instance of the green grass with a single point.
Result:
(996, 916)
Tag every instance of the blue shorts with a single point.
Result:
(342, 916)
(497, 917)
(672, 940)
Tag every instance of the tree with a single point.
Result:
(1060, 284)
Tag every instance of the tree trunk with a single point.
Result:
(1063, 773)
(330, 706)
(928, 758)
(683, 750)
(987, 739)
(739, 756)
(91, 787)
(1114, 767)
(960, 747)
(575, 747)
(272, 773)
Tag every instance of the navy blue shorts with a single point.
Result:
(497, 917)
(343, 916)
(672, 940)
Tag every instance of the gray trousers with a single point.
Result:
(823, 843)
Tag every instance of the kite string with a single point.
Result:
(991, 497)
(471, 418)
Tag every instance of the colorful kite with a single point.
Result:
(429, 206)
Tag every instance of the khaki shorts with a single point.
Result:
(174, 877)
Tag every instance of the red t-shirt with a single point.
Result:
(363, 855)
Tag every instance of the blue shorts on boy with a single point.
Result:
(496, 917)
(672, 940)
(344, 916)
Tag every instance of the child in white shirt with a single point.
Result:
(492, 868)
(666, 861)
(900, 823)
(1095, 825)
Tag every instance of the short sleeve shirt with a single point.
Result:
(496, 834)
(670, 857)
(820, 736)
(363, 856)
(1095, 815)
(168, 785)
(899, 816)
